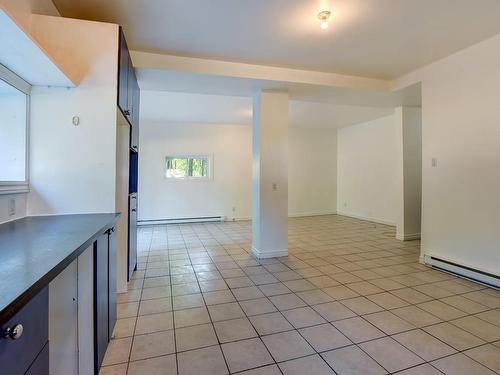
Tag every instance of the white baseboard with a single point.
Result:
(248, 218)
(269, 254)
(316, 213)
(408, 237)
(366, 218)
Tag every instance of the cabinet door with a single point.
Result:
(123, 70)
(137, 103)
(41, 364)
(101, 305)
(133, 172)
(17, 355)
(130, 88)
(63, 321)
(86, 312)
(136, 98)
(112, 282)
(132, 235)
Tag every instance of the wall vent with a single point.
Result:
(182, 220)
(482, 277)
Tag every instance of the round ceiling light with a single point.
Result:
(324, 18)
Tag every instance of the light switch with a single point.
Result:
(275, 186)
(434, 162)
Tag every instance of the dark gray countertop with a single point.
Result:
(35, 249)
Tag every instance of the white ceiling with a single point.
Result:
(372, 38)
(177, 107)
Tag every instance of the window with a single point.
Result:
(14, 104)
(187, 167)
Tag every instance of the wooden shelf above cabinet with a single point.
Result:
(23, 55)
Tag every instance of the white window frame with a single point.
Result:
(189, 178)
(11, 78)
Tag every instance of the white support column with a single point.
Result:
(409, 126)
(270, 175)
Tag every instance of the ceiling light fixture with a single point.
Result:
(324, 18)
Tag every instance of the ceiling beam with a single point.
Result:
(147, 60)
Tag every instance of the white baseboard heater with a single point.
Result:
(182, 220)
(470, 273)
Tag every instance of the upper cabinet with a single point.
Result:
(128, 91)
(123, 68)
(134, 103)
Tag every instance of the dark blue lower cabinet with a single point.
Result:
(104, 294)
(112, 281)
(101, 305)
(132, 235)
(24, 345)
(41, 364)
(24, 338)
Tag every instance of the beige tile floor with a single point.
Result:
(349, 299)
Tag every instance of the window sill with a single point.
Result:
(14, 188)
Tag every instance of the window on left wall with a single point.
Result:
(14, 120)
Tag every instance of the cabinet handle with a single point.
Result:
(13, 333)
(133, 210)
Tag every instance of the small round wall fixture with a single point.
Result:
(324, 18)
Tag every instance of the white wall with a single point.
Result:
(461, 129)
(312, 190)
(367, 170)
(231, 148)
(72, 168)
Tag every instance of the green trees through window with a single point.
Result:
(182, 167)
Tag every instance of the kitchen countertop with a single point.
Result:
(35, 249)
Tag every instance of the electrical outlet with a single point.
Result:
(345, 204)
(434, 162)
(12, 207)
(275, 186)
(234, 209)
